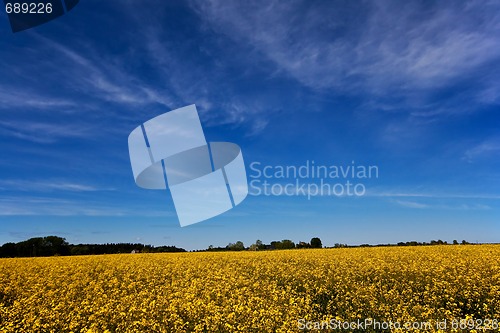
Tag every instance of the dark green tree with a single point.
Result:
(287, 244)
(238, 246)
(316, 243)
(8, 250)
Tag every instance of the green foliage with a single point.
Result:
(57, 246)
(283, 245)
(238, 246)
(316, 243)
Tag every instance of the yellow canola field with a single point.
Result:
(266, 291)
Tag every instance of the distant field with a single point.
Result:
(275, 291)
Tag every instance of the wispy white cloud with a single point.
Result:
(420, 205)
(48, 186)
(411, 204)
(22, 98)
(488, 148)
(237, 112)
(38, 206)
(428, 195)
(200, 78)
(180, 80)
(491, 93)
(44, 132)
(407, 49)
(102, 78)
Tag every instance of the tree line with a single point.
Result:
(316, 243)
(413, 243)
(58, 246)
(284, 244)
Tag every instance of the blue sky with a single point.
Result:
(412, 87)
